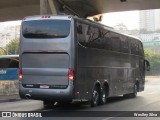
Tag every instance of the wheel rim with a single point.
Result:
(95, 97)
(104, 96)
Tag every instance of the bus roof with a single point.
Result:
(44, 17)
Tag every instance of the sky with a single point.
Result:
(129, 18)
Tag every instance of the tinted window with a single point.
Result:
(9, 63)
(93, 36)
(46, 28)
(115, 44)
(141, 50)
(134, 47)
(124, 44)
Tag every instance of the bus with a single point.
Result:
(66, 59)
(9, 65)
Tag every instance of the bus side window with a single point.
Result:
(124, 45)
(79, 29)
(4, 63)
(116, 44)
(13, 64)
(141, 53)
(134, 48)
(81, 34)
(89, 30)
(94, 38)
(108, 41)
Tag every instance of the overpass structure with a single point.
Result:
(17, 9)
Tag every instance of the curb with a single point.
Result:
(9, 98)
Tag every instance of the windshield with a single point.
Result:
(46, 28)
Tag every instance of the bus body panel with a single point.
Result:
(97, 64)
(93, 67)
(43, 68)
(55, 94)
(46, 63)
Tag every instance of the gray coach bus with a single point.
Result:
(65, 59)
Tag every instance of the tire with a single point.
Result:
(126, 96)
(103, 96)
(68, 103)
(134, 94)
(95, 97)
(48, 104)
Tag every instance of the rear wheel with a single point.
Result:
(67, 103)
(103, 96)
(95, 97)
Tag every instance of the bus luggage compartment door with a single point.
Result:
(41, 69)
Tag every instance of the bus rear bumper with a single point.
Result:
(59, 95)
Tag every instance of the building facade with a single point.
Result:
(149, 20)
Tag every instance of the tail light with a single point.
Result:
(20, 74)
(46, 16)
(70, 74)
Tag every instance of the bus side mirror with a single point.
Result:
(147, 65)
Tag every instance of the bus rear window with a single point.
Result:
(46, 28)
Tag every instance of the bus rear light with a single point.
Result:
(70, 74)
(45, 16)
(70, 77)
(24, 18)
(69, 17)
(20, 74)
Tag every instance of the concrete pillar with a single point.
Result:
(43, 7)
(53, 6)
(48, 7)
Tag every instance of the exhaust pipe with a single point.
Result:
(28, 96)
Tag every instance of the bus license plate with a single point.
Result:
(44, 86)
